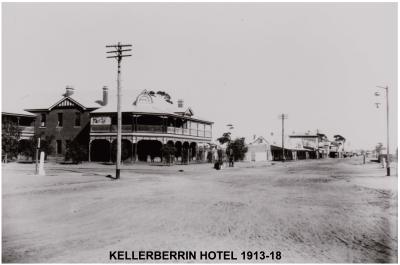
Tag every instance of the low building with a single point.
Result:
(148, 122)
(23, 120)
(293, 149)
(24, 123)
(259, 150)
(306, 141)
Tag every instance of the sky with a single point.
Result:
(232, 63)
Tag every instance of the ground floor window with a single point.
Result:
(59, 147)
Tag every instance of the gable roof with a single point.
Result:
(146, 103)
(78, 98)
(66, 100)
(259, 140)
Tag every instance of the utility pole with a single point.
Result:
(386, 88)
(118, 50)
(283, 117)
(317, 144)
(37, 157)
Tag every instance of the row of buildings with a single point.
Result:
(149, 121)
(296, 146)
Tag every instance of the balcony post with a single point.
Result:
(132, 149)
(164, 126)
(90, 146)
(136, 144)
(134, 123)
(110, 148)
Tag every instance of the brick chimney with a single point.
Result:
(69, 90)
(105, 95)
(180, 103)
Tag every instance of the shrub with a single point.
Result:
(168, 152)
(76, 152)
(239, 148)
(125, 151)
(9, 139)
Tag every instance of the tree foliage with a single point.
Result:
(379, 148)
(28, 147)
(168, 153)
(164, 94)
(46, 145)
(125, 151)
(239, 148)
(76, 152)
(338, 138)
(10, 134)
(225, 138)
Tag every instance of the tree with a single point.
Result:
(168, 152)
(76, 152)
(27, 147)
(164, 94)
(379, 148)
(125, 151)
(45, 144)
(225, 138)
(10, 134)
(239, 148)
(339, 138)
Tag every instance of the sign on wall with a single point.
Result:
(100, 121)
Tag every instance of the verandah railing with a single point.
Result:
(151, 129)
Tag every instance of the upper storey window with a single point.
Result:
(43, 120)
(60, 120)
(77, 119)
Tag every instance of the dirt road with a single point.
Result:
(333, 210)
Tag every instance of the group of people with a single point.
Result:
(218, 158)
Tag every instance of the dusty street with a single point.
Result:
(332, 210)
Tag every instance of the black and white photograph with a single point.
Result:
(199, 132)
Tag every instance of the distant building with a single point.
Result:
(337, 147)
(296, 147)
(24, 120)
(258, 150)
(148, 122)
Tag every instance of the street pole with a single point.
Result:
(387, 132)
(119, 55)
(283, 117)
(37, 157)
(386, 88)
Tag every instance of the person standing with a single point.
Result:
(231, 157)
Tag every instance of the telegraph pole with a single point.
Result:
(386, 88)
(37, 157)
(118, 50)
(283, 117)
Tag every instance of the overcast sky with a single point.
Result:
(232, 63)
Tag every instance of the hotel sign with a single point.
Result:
(101, 121)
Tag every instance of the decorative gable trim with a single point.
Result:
(66, 102)
(189, 112)
(260, 140)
